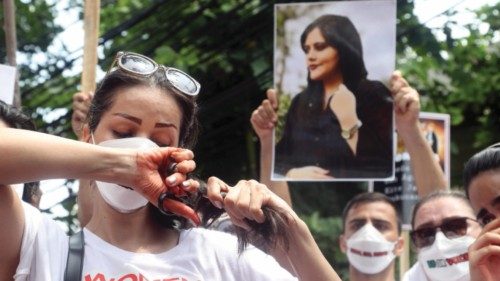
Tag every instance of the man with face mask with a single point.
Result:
(371, 237)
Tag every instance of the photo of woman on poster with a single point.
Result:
(340, 126)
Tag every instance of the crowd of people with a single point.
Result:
(144, 217)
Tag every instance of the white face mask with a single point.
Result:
(446, 259)
(120, 198)
(368, 250)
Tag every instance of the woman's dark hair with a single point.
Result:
(272, 231)
(339, 33)
(16, 118)
(436, 195)
(483, 161)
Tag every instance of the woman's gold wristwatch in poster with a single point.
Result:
(347, 134)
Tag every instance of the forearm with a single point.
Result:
(427, 172)
(30, 156)
(304, 255)
(280, 188)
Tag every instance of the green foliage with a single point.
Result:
(35, 26)
(413, 34)
(464, 83)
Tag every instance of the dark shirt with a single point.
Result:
(317, 140)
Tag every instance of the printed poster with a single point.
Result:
(332, 64)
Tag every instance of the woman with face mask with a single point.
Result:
(140, 115)
(340, 126)
(444, 227)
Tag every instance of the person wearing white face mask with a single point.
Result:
(371, 237)
(443, 228)
(124, 200)
(139, 98)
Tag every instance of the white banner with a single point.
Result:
(7, 79)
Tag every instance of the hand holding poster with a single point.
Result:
(331, 64)
(402, 190)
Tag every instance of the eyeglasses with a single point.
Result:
(451, 228)
(139, 65)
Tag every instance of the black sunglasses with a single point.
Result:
(137, 64)
(451, 228)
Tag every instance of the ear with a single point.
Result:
(86, 134)
(343, 243)
(399, 247)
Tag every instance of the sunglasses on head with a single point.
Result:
(451, 228)
(139, 65)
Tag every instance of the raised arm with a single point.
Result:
(31, 156)
(246, 199)
(263, 120)
(81, 105)
(427, 173)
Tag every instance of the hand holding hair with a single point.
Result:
(259, 214)
(163, 179)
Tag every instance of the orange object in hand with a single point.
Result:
(168, 204)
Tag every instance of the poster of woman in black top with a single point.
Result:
(332, 63)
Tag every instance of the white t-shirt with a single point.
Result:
(200, 255)
(415, 273)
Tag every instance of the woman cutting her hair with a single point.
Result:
(140, 115)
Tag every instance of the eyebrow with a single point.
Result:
(165, 125)
(381, 221)
(139, 121)
(357, 221)
(129, 117)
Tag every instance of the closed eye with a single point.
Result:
(122, 135)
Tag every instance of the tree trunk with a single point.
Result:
(91, 29)
(11, 43)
